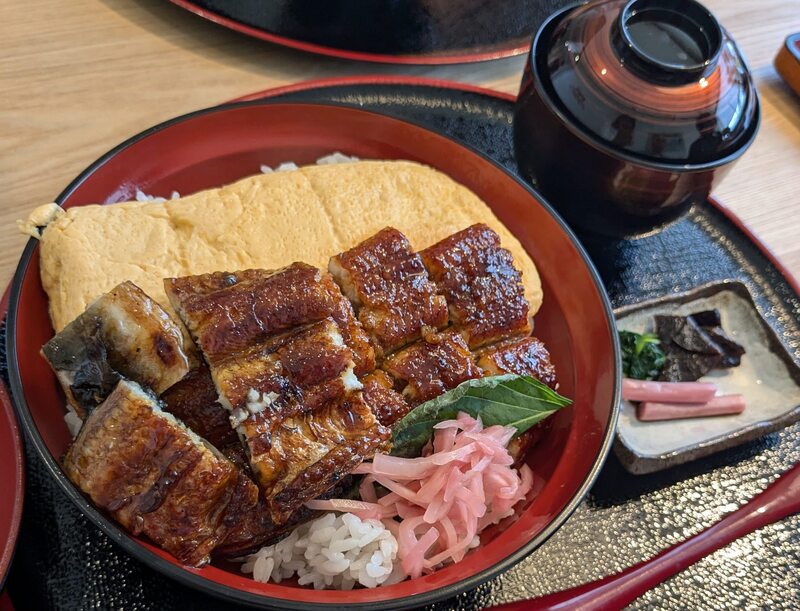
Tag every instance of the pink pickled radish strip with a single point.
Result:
(451, 537)
(667, 392)
(445, 440)
(447, 424)
(450, 552)
(389, 499)
(414, 559)
(440, 502)
(476, 506)
(366, 490)
(529, 480)
(393, 527)
(722, 405)
(475, 485)
(434, 485)
(406, 511)
(501, 434)
(454, 481)
(407, 537)
(365, 468)
(407, 493)
(365, 511)
(401, 468)
(457, 423)
(480, 466)
(432, 513)
(414, 468)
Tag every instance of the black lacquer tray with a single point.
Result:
(63, 561)
(387, 31)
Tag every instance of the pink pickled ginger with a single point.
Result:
(438, 504)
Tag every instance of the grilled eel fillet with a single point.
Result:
(440, 362)
(285, 370)
(483, 289)
(388, 405)
(123, 333)
(526, 356)
(295, 408)
(431, 366)
(229, 312)
(390, 289)
(156, 477)
(248, 525)
(194, 401)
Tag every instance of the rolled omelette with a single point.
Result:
(265, 221)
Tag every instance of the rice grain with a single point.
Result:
(333, 551)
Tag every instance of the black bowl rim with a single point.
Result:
(224, 592)
(595, 142)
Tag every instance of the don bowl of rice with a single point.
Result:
(349, 557)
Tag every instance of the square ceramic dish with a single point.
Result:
(768, 378)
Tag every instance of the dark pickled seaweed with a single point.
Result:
(695, 345)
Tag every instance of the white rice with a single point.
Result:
(73, 420)
(335, 157)
(141, 196)
(333, 551)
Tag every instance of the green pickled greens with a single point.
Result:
(642, 358)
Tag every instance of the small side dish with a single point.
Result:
(398, 391)
(683, 349)
(702, 388)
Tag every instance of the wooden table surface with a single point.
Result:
(78, 77)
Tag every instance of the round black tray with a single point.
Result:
(63, 561)
(388, 31)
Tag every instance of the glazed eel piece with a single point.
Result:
(156, 477)
(193, 400)
(123, 333)
(230, 312)
(284, 368)
(125, 339)
(427, 368)
(390, 289)
(486, 306)
(404, 300)
(484, 290)
(521, 356)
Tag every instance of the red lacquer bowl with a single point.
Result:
(222, 144)
(13, 478)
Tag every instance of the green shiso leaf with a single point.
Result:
(507, 400)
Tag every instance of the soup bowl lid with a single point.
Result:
(659, 80)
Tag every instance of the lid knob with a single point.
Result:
(668, 42)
